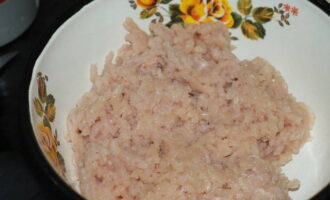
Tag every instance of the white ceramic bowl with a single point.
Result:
(296, 43)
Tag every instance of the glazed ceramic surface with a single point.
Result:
(293, 35)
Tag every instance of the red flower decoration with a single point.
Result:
(287, 7)
(294, 11)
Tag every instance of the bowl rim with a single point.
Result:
(33, 150)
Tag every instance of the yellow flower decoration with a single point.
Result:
(45, 108)
(146, 3)
(194, 12)
(48, 144)
(221, 10)
(197, 12)
(228, 20)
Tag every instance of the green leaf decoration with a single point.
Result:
(61, 162)
(42, 90)
(56, 138)
(261, 30)
(165, 1)
(148, 12)
(38, 107)
(50, 112)
(46, 123)
(50, 99)
(253, 30)
(287, 15)
(174, 10)
(134, 6)
(160, 17)
(175, 14)
(175, 21)
(244, 6)
(263, 14)
(281, 23)
(237, 19)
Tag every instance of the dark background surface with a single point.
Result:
(20, 178)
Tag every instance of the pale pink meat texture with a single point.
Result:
(177, 116)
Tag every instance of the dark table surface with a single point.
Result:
(19, 178)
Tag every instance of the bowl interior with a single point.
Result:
(61, 76)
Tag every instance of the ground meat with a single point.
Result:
(178, 116)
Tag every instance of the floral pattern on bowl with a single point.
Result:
(44, 106)
(249, 18)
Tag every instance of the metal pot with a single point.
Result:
(15, 17)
